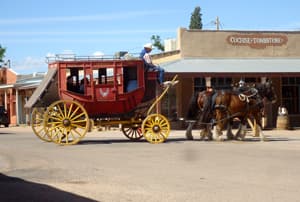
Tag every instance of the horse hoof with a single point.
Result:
(189, 137)
(263, 139)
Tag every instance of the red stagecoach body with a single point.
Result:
(110, 87)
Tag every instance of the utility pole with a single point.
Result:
(217, 23)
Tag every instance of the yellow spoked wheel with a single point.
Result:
(37, 124)
(66, 122)
(132, 131)
(156, 128)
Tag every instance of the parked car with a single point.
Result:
(4, 120)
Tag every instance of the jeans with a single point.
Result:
(161, 72)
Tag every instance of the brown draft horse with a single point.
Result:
(196, 114)
(248, 104)
(222, 106)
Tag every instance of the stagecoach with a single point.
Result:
(82, 93)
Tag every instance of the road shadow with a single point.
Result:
(268, 139)
(7, 133)
(181, 140)
(16, 189)
(127, 141)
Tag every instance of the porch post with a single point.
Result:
(5, 99)
(17, 106)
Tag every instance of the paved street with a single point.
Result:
(105, 166)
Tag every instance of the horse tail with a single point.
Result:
(193, 109)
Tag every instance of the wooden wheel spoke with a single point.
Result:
(162, 122)
(54, 122)
(71, 135)
(78, 133)
(38, 124)
(78, 116)
(74, 113)
(148, 125)
(78, 126)
(80, 121)
(70, 110)
(65, 110)
(38, 119)
(56, 114)
(164, 125)
(54, 133)
(133, 133)
(60, 111)
(54, 128)
(55, 118)
(40, 130)
(163, 135)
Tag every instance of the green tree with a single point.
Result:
(2, 53)
(196, 19)
(156, 41)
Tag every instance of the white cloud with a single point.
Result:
(98, 54)
(29, 65)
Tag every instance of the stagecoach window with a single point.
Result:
(103, 76)
(290, 94)
(130, 78)
(73, 76)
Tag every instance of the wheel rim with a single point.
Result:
(156, 128)
(132, 131)
(37, 124)
(66, 122)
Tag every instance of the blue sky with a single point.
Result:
(32, 29)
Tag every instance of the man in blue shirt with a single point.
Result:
(146, 57)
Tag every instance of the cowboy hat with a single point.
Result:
(148, 45)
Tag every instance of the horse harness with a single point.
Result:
(244, 97)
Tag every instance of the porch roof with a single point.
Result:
(236, 65)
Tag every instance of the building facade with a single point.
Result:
(221, 58)
(15, 90)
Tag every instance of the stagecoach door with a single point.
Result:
(105, 83)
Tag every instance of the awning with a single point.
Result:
(6, 86)
(243, 65)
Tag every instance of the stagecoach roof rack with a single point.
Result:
(121, 55)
